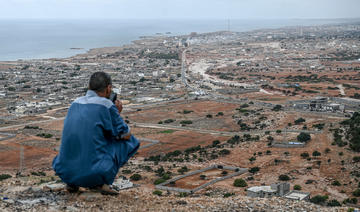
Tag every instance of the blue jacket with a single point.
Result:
(90, 155)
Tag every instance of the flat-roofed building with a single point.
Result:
(298, 195)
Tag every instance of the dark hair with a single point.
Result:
(99, 81)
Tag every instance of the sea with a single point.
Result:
(43, 39)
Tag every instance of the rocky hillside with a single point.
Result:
(30, 193)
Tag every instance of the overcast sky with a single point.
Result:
(179, 9)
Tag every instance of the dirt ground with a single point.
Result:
(39, 152)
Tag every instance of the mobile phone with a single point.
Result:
(113, 97)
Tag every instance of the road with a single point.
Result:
(215, 132)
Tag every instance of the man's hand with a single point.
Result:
(127, 137)
(119, 106)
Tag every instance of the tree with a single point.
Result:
(224, 152)
(215, 143)
(356, 193)
(277, 108)
(240, 182)
(4, 177)
(135, 177)
(284, 177)
(318, 199)
(333, 203)
(336, 183)
(304, 155)
(253, 170)
(303, 137)
(252, 159)
(299, 121)
(316, 153)
(224, 173)
(356, 159)
(158, 181)
(351, 201)
(297, 187)
(157, 192)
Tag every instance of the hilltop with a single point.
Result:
(279, 103)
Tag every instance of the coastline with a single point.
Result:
(52, 46)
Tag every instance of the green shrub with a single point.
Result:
(157, 192)
(240, 182)
(187, 111)
(126, 171)
(185, 122)
(228, 195)
(167, 131)
(183, 194)
(44, 135)
(351, 201)
(356, 193)
(253, 170)
(316, 153)
(215, 143)
(303, 137)
(356, 159)
(333, 203)
(183, 169)
(277, 108)
(224, 152)
(38, 173)
(299, 121)
(224, 173)
(304, 155)
(4, 177)
(284, 177)
(336, 183)
(167, 121)
(297, 187)
(318, 199)
(319, 126)
(158, 181)
(135, 177)
(252, 159)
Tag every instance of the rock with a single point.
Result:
(120, 184)
(71, 209)
(90, 196)
(54, 187)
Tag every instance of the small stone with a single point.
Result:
(54, 187)
(90, 196)
(70, 208)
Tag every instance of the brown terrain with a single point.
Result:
(196, 131)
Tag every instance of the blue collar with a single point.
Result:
(91, 93)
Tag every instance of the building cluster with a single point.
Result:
(144, 72)
(327, 104)
(279, 190)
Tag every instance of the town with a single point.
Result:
(219, 114)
